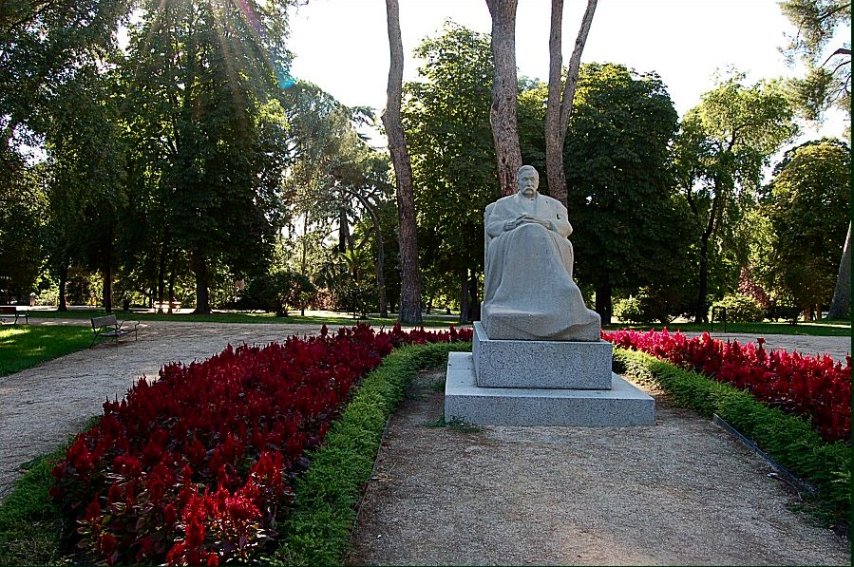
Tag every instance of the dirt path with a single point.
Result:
(678, 493)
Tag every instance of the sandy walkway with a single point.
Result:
(679, 493)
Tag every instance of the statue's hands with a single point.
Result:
(524, 219)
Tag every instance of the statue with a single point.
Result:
(529, 292)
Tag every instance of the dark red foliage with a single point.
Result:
(194, 467)
(814, 387)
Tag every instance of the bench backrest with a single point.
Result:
(8, 309)
(105, 321)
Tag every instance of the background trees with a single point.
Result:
(722, 146)
(807, 203)
(447, 121)
(632, 230)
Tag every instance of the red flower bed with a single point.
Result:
(817, 388)
(194, 467)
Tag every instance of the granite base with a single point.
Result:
(622, 405)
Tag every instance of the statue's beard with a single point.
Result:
(529, 192)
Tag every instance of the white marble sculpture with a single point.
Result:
(529, 293)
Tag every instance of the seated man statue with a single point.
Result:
(529, 292)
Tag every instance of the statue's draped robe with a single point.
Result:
(529, 292)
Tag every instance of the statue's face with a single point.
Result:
(527, 182)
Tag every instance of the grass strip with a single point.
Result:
(317, 531)
(242, 318)
(25, 346)
(31, 526)
(790, 440)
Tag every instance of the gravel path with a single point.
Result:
(681, 492)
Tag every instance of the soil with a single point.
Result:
(682, 492)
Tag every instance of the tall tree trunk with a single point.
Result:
(161, 277)
(841, 304)
(502, 114)
(410, 295)
(107, 272)
(63, 284)
(604, 305)
(200, 269)
(474, 305)
(559, 108)
(701, 314)
(464, 297)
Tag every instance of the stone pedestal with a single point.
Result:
(562, 383)
(622, 405)
(541, 364)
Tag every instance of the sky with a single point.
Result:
(342, 45)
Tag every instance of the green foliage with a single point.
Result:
(276, 291)
(807, 205)
(24, 346)
(651, 304)
(722, 147)
(446, 118)
(632, 229)
(788, 439)
(628, 310)
(318, 530)
(825, 52)
(204, 110)
(739, 309)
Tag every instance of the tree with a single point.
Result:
(502, 114)
(828, 82)
(447, 123)
(807, 203)
(630, 225)
(203, 78)
(410, 300)
(45, 46)
(559, 107)
(720, 151)
(828, 79)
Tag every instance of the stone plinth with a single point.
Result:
(622, 405)
(540, 364)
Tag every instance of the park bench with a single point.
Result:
(109, 326)
(11, 312)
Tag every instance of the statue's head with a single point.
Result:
(527, 180)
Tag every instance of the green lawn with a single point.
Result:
(23, 346)
(835, 328)
(343, 319)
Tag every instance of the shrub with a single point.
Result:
(628, 310)
(740, 308)
(816, 388)
(275, 292)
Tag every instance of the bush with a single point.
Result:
(275, 292)
(739, 308)
(816, 388)
(629, 310)
(651, 305)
